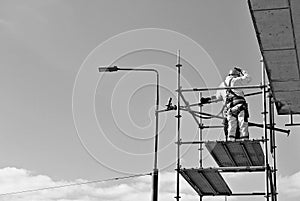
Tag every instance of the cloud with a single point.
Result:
(289, 186)
(15, 179)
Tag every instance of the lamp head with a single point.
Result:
(108, 69)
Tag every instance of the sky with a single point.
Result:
(63, 122)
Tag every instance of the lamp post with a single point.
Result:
(155, 169)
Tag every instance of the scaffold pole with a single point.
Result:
(200, 138)
(178, 116)
(264, 102)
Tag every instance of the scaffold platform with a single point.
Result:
(206, 182)
(236, 153)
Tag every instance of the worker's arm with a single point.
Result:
(244, 78)
(213, 99)
(216, 98)
(219, 96)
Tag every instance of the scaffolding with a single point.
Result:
(245, 156)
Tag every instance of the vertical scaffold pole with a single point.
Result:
(200, 134)
(274, 154)
(178, 116)
(200, 137)
(264, 101)
(271, 174)
(271, 122)
(273, 145)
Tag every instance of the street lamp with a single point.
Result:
(155, 169)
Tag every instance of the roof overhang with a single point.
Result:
(277, 26)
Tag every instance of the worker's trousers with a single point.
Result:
(234, 121)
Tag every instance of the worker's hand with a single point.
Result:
(239, 70)
(205, 100)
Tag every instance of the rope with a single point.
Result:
(73, 184)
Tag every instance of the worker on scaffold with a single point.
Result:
(235, 106)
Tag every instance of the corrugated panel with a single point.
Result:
(206, 181)
(277, 25)
(236, 154)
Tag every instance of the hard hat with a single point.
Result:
(234, 71)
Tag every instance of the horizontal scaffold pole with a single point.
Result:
(248, 194)
(239, 194)
(203, 142)
(212, 101)
(222, 88)
(249, 123)
(237, 169)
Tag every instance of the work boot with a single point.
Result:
(244, 138)
(232, 138)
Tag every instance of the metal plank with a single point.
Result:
(275, 29)
(241, 169)
(187, 178)
(227, 151)
(247, 155)
(255, 153)
(268, 4)
(217, 182)
(203, 187)
(238, 154)
(216, 149)
(206, 181)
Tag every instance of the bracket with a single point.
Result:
(292, 122)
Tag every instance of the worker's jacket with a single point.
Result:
(233, 99)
